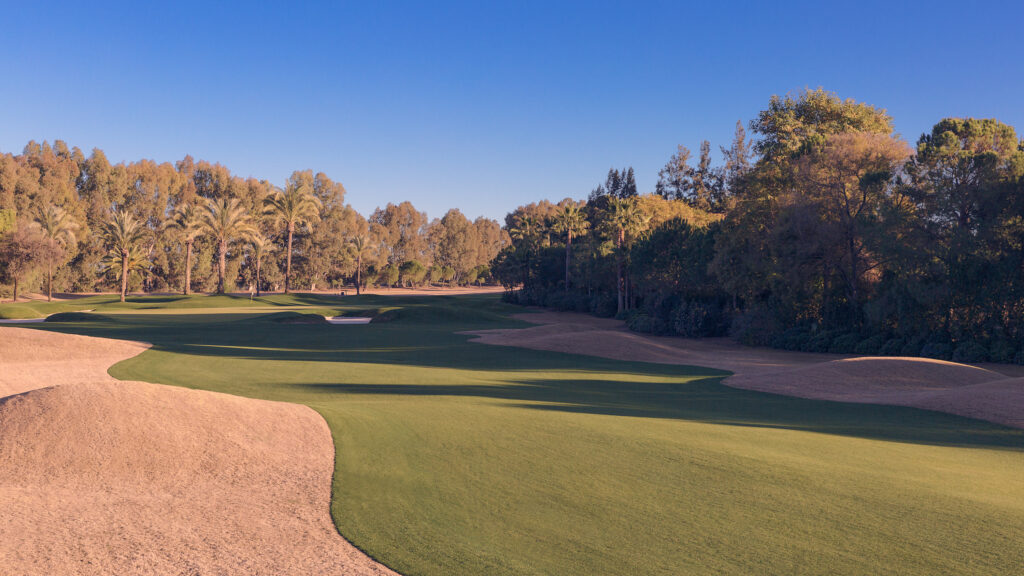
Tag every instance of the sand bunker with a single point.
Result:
(99, 476)
(916, 382)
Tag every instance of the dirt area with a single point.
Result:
(99, 476)
(988, 393)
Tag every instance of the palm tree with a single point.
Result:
(59, 231)
(187, 220)
(294, 206)
(122, 234)
(361, 246)
(571, 221)
(261, 246)
(627, 221)
(226, 220)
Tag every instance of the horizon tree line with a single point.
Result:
(75, 223)
(825, 231)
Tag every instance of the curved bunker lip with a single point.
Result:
(348, 320)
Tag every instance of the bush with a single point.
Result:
(892, 347)
(844, 344)
(647, 324)
(1018, 358)
(570, 302)
(970, 351)
(753, 328)
(912, 347)
(696, 319)
(795, 338)
(820, 341)
(603, 305)
(870, 346)
(1002, 351)
(937, 350)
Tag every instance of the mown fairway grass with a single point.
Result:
(461, 458)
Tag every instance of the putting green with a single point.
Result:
(462, 458)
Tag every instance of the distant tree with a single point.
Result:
(226, 220)
(674, 179)
(572, 222)
(187, 222)
(626, 221)
(58, 230)
(296, 205)
(122, 235)
(362, 246)
(20, 254)
(389, 275)
(261, 246)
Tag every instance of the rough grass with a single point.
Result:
(461, 458)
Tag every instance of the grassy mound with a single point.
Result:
(77, 317)
(295, 318)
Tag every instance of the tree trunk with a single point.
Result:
(223, 250)
(15, 288)
(618, 271)
(359, 269)
(188, 268)
(49, 280)
(124, 275)
(258, 264)
(288, 264)
(568, 252)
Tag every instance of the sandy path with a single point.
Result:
(975, 392)
(99, 476)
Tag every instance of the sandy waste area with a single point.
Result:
(976, 392)
(100, 476)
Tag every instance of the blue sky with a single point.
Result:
(478, 105)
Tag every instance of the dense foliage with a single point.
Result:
(826, 232)
(74, 223)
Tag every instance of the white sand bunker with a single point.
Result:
(915, 382)
(99, 476)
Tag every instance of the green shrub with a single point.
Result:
(937, 350)
(871, 345)
(912, 347)
(1002, 351)
(795, 338)
(696, 319)
(844, 344)
(646, 324)
(892, 347)
(970, 351)
(603, 305)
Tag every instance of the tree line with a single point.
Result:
(825, 231)
(71, 223)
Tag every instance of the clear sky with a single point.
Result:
(475, 105)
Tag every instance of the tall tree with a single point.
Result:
(20, 253)
(294, 206)
(187, 221)
(226, 220)
(58, 230)
(362, 246)
(626, 221)
(571, 221)
(122, 235)
(261, 246)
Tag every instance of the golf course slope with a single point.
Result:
(914, 382)
(100, 476)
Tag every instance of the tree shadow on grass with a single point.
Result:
(706, 400)
(590, 386)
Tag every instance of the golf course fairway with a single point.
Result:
(454, 457)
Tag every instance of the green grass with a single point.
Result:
(461, 458)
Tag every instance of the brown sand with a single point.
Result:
(99, 476)
(975, 392)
